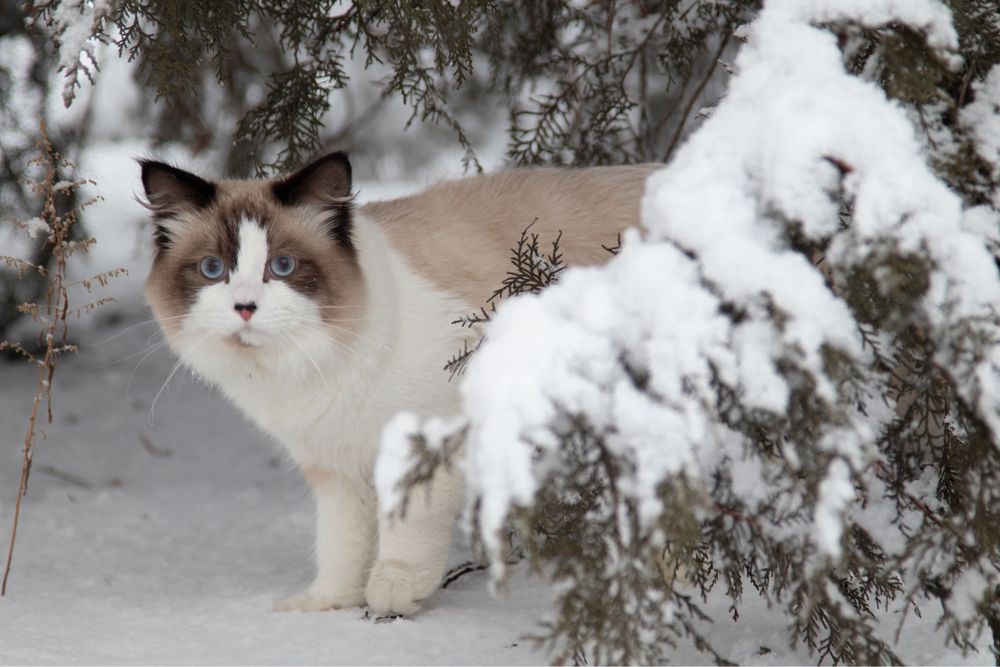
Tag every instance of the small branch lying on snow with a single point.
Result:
(459, 571)
(65, 476)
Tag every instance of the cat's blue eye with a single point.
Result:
(212, 268)
(282, 265)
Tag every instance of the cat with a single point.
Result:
(320, 320)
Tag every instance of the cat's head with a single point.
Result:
(257, 265)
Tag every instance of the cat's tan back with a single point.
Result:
(459, 234)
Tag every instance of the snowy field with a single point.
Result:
(168, 542)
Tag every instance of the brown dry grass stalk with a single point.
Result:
(56, 221)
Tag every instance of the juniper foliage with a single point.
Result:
(608, 82)
(627, 84)
(298, 49)
(532, 270)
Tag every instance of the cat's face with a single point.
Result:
(257, 266)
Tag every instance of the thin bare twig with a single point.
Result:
(697, 93)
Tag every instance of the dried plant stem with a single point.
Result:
(51, 314)
(46, 369)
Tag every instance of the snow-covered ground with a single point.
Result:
(168, 542)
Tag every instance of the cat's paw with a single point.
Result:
(395, 587)
(314, 601)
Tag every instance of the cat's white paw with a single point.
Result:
(395, 587)
(314, 601)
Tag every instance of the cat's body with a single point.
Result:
(359, 329)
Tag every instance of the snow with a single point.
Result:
(982, 117)
(835, 493)
(395, 460)
(930, 17)
(36, 227)
(175, 550)
(77, 23)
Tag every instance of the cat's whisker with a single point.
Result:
(325, 320)
(318, 326)
(173, 371)
(326, 383)
(131, 377)
(158, 337)
(331, 323)
(323, 317)
(352, 353)
(340, 345)
(150, 348)
(137, 325)
(302, 323)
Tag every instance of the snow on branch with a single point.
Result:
(76, 27)
(791, 135)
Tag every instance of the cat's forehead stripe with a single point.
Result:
(251, 254)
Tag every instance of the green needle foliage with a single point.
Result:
(584, 84)
(297, 50)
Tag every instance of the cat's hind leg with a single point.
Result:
(413, 548)
(345, 544)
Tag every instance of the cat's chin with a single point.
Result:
(248, 338)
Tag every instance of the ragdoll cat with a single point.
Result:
(321, 321)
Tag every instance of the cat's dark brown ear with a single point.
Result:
(171, 190)
(325, 183)
(322, 182)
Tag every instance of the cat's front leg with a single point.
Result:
(413, 549)
(345, 544)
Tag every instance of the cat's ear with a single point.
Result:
(170, 190)
(325, 183)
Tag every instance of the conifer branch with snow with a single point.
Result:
(792, 381)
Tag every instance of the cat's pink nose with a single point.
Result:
(246, 310)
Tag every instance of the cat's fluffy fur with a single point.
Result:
(358, 331)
